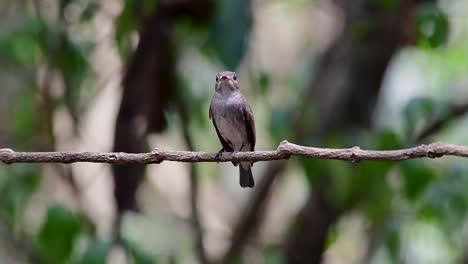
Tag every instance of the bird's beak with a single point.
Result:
(224, 78)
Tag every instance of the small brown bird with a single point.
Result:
(234, 122)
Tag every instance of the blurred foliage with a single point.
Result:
(22, 46)
(420, 112)
(445, 200)
(96, 253)
(231, 28)
(69, 58)
(17, 185)
(58, 234)
(138, 256)
(263, 82)
(279, 117)
(271, 256)
(390, 5)
(126, 24)
(416, 176)
(24, 115)
(432, 26)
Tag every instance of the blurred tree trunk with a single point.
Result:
(345, 93)
(149, 86)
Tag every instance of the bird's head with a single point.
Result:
(226, 82)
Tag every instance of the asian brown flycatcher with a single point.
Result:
(234, 122)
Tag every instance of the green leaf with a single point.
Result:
(192, 102)
(272, 255)
(445, 200)
(389, 5)
(89, 10)
(419, 112)
(432, 26)
(148, 6)
(371, 186)
(393, 241)
(96, 253)
(172, 259)
(127, 23)
(361, 29)
(279, 120)
(332, 237)
(70, 58)
(263, 82)
(57, 235)
(17, 186)
(387, 140)
(416, 176)
(138, 256)
(230, 33)
(22, 46)
(63, 4)
(312, 168)
(24, 118)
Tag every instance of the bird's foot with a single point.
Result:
(219, 155)
(235, 163)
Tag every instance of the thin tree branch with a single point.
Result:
(284, 151)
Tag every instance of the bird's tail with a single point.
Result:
(245, 173)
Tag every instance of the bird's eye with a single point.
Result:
(234, 77)
(217, 78)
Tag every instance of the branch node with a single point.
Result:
(433, 150)
(355, 154)
(9, 150)
(112, 157)
(284, 149)
(6, 150)
(156, 157)
(6, 162)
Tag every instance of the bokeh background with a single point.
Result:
(128, 75)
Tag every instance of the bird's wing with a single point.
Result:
(249, 124)
(224, 143)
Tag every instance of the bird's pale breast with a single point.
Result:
(230, 120)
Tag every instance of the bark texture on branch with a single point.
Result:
(284, 151)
